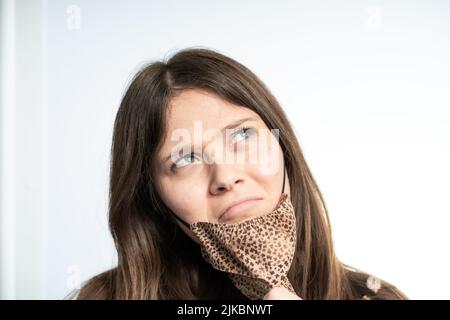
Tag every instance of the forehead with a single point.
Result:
(192, 106)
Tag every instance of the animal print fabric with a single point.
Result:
(256, 253)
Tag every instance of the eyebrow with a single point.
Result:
(232, 125)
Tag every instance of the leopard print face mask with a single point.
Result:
(256, 253)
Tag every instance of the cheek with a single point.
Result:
(269, 158)
(269, 170)
(186, 201)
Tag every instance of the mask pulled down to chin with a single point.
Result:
(256, 253)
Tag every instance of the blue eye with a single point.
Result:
(246, 132)
(187, 156)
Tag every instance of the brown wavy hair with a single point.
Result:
(156, 259)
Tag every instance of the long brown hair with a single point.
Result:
(157, 260)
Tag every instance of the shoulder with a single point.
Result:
(369, 287)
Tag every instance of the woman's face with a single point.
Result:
(217, 166)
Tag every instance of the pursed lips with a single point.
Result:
(235, 206)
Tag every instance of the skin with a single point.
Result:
(203, 185)
(280, 293)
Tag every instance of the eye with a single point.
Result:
(244, 132)
(179, 163)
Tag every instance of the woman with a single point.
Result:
(157, 192)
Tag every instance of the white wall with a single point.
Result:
(365, 83)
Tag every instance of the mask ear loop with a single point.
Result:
(183, 222)
(284, 176)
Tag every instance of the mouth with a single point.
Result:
(237, 208)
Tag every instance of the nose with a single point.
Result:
(225, 178)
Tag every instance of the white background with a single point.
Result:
(364, 83)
